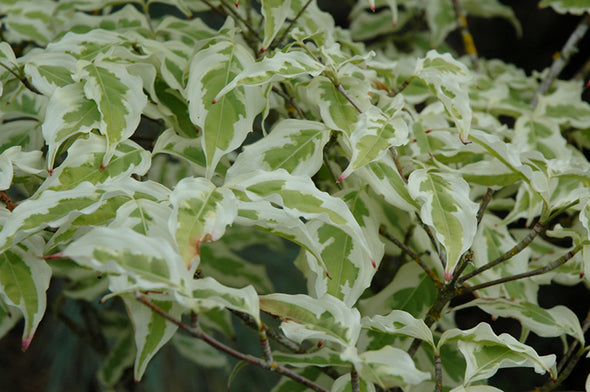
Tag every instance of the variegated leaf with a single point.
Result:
(343, 384)
(447, 208)
(226, 122)
(278, 67)
(576, 7)
(121, 356)
(556, 321)
(149, 263)
(49, 209)
(30, 21)
(24, 279)
(206, 294)
(390, 367)
(275, 13)
(293, 145)
(188, 149)
(447, 79)
(69, 112)
(201, 212)
(119, 97)
(49, 70)
(336, 111)
(326, 319)
(399, 322)
(374, 134)
(85, 159)
(486, 352)
(152, 330)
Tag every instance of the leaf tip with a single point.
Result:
(54, 256)
(373, 264)
(372, 7)
(26, 342)
(262, 50)
(328, 275)
(50, 171)
(236, 3)
(214, 101)
(448, 276)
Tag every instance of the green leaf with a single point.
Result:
(490, 9)
(325, 319)
(447, 208)
(149, 263)
(199, 352)
(69, 112)
(225, 123)
(293, 145)
(188, 149)
(152, 331)
(26, 21)
(441, 20)
(24, 279)
(486, 352)
(201, 212)
(556, 321)
(448, 80)
(280, 66)
(343, 384)
(119, 97)
(374, 134)
(275, 13)
(576, 7)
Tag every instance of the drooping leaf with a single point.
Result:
(69, 112)
(24, 279)
(576, 7)
(199, 352)
(556, 321)
(447, 79)
(447, 208)
(336, 111)
(201, 212)
(326, 319)
(275, 13)
(152, 331)
(343, 384)
(399, 322)
(120, 357)
(226, 122)
(486, 352)
(119, 97)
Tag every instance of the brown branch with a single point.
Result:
(198, 333)
(292, 23)
(413, 255)
(468, 43)
(564, 56)
(484, 204)
(348, 97)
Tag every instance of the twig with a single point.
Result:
(438, 373)
(7, 200)
(506, 256)
(266, 350)
(564, 56)
(484, 204)
(354, 381)
(197, 332)
(465, 260)
(413, 255)
(22, 78)
(467, 37)
(433, 241)
(239, 17)
(549, 267)
(348, 97)
(292, 23)
(398, 166)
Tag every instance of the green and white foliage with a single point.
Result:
(350, 183)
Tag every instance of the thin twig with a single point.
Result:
(438, 373)
(200, 334)
(292, 23)
(413, 255)
(433, 241)
(239, 17)
(398, 166)
(348, 97)
(22, 78)
(537, 228)
(467, 37)
(549, 267)
(484, 204)
(564, 56)
(354, 381)
(266, 350)
(7, 200)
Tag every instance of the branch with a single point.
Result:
(413, 255)
(22, 78)
(467, 37)
(398, 166)
(348, 97)
(508, 255)
(239, 17)
(484, 204)
(198, 333)
(549, 267)
(441, 254)
(438, 373)
(290, 26)
(564, 56)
